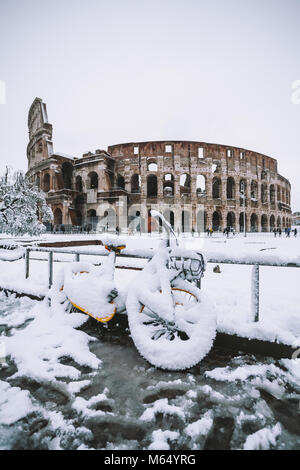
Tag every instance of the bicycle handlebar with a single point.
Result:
(165, 224)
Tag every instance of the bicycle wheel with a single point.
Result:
(178, 344)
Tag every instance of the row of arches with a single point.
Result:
(218, 221)
(264, 222)
(234, 189)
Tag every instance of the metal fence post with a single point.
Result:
(50, 268)
(27, 257)
(255, 292)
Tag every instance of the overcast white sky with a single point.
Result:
(115, 71)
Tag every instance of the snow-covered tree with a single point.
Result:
(23, 206)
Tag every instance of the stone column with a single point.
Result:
(209, 179)
(258, 221)
(248, 220)
(223, 190)
(160, 191)
(52, 179)
(224, 219)
(209, 219)
(177, 188)
(65, 212)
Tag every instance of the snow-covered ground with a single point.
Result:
(70, 384)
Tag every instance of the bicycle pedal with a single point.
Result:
(112, 295)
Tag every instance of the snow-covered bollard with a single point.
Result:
(255, 292)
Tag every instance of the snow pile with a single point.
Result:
(37, 349)
(228, 374)
(160, 439)
(87, 407)
(161, 406)
(11, 255)
(12, 317)
(263, 439)
(15, 404)
(200, 427)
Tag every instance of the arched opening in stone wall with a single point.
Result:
(230, 221)
(153, 224)
(111, 220)
(216, 221)
(278, 222)
(242, 222)
(120, 182)
(152, 186)
(185, 221)
(201, 185)
(201, 220)
(79, 218)
(216, 188)
(92, 220)
(283, 196)
(263, 175)
(287, 200)
(169, 216)
(272, 222)
(93, 180)
(79, 186)
(230, 188)
(185, 183)
(135, 183)
(264, 223)
(272, 194)
(57, 216)
(278, 194)
(46, 183)
(168, 185)
(254, 223)
(77, 215)
(283, 223)
(151, 164)
(67, 173)
(216, 166)
(254, 190)
(243, 191)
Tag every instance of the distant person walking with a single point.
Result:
(275, 232)
(295, 232)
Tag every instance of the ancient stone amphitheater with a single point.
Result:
(196, 185)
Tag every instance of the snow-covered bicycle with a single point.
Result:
(172, 322)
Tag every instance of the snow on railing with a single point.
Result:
(254, 260)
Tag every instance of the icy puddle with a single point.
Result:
(60, 390)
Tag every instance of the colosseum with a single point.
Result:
(196, 185)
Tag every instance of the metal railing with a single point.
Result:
(147, 254)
